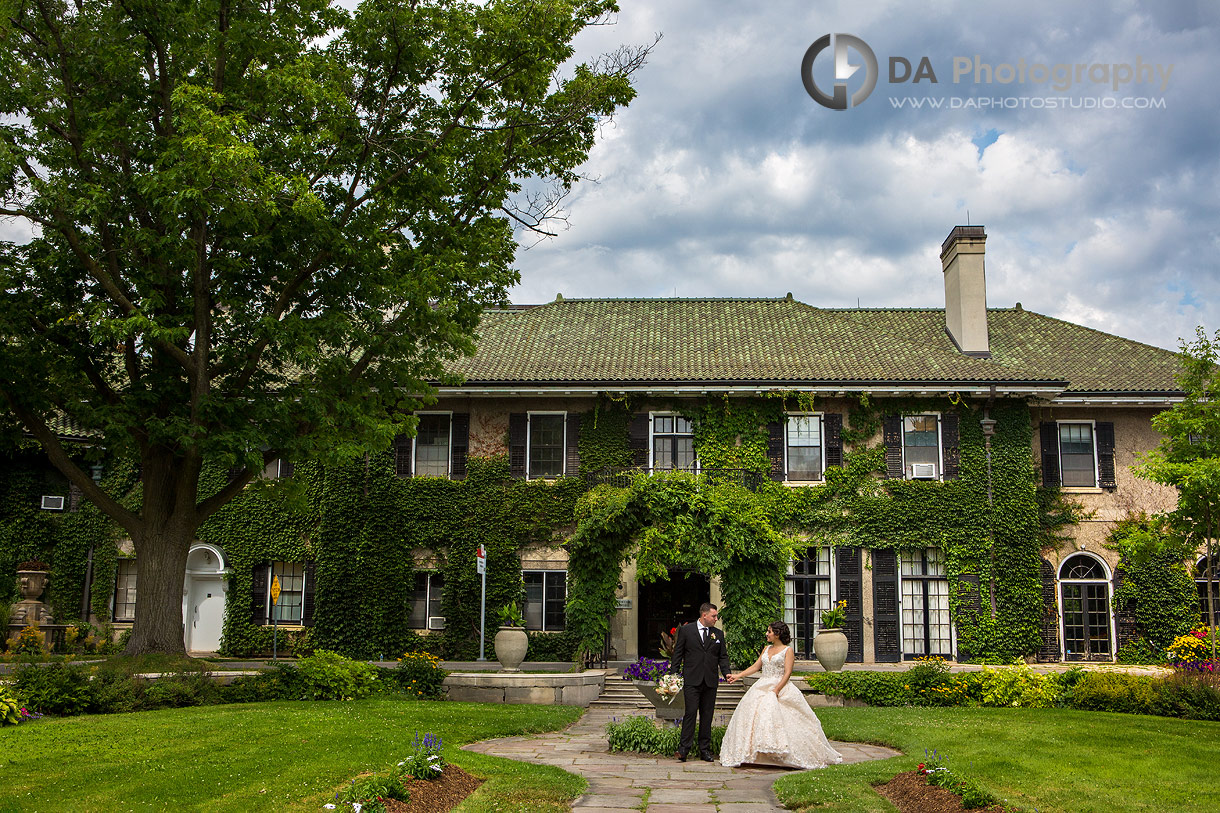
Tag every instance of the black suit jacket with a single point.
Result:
(701, 665)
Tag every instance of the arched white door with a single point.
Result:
(203, 595)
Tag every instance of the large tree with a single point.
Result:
(258, 229)
(1188, 456)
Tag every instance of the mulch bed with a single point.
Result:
(911, 793)
(436, 795)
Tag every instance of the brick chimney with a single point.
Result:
(961, 257)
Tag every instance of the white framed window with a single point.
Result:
(288, 610)
(926, 625)
(546, 444)
(546, 595)
(1077, 454)
(671, 442)
(804, 448)
(430, 448)
(426, 598)
(921, 447)
(125, 590)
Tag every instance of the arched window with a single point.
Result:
(1084, 604)
(1203, 572)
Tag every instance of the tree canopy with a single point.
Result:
(260, 229)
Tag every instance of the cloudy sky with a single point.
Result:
(725, 178)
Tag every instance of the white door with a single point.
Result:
(205, 612)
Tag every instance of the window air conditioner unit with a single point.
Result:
(923, 471)
(52, 503)
(436, 622)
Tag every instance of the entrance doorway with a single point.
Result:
(667, 604)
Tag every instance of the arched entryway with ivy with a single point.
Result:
(673, 523)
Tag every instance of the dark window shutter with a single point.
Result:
(460, 428)
(892, 434)
(775, 450)
(311, 569)
(518, 427)
(849, 588)
(1105, 455)
(402, 455)
(832, 424)
(1048, 651)
(887, 645)
(259, 577)
(950, 432)
(572, 465)
(638, 440)
(1050, 453)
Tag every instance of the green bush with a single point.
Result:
(368, 791)
(327, 675)
(10, 709)
(639, 733)
(1117, 691)
(552, 646)
(54, 689)
(283, 683)
(1140, 651)
(419, 675)
(873, 688)
(1018, 686)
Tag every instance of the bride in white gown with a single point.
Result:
(773, 725)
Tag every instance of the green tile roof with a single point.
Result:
(781, 340)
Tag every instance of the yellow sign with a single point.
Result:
(275, 590)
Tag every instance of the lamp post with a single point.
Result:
(988, 424)
(95, 472)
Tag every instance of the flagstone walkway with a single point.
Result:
(623, 781)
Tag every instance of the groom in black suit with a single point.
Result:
(700, 652)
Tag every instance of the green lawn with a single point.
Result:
(1043, 759)
(265, 756)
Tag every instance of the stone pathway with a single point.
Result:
(625, 781)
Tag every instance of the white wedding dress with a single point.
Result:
(776, 730)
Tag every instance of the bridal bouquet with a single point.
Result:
(668, 686)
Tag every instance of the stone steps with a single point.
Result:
(621, 693)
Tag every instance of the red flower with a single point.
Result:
(673, 630)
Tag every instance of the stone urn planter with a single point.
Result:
(830, 648)
(30, 610)
(666, 710)
(511, 644)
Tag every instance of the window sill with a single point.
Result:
(798, 483)
(1083, 490)
(284, 625)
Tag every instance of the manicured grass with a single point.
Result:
(1043, 759)
(266, 756)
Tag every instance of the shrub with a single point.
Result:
(10, 709)
(1116, 691)
(54, 689)
(1017, 685)
(640, 734)
(369, 791)
(1139, 651)
(552, 646)
(327, 675)
(420, 675)
(283, 683)
(29, 642)
(874, 688)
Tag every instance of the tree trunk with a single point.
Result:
(170, 520)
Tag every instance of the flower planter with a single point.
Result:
(665, 709)
(830, 648)
(511, 644)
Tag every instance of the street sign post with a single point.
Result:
(275, 630)
(480, 566)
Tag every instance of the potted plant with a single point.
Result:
(663, 690)
(511, 640)
(830, 644)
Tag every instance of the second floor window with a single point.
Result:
(432, 446)
(804, 447)
(673, 443)
(1077, 464)
(546, 444)
(921, 447)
